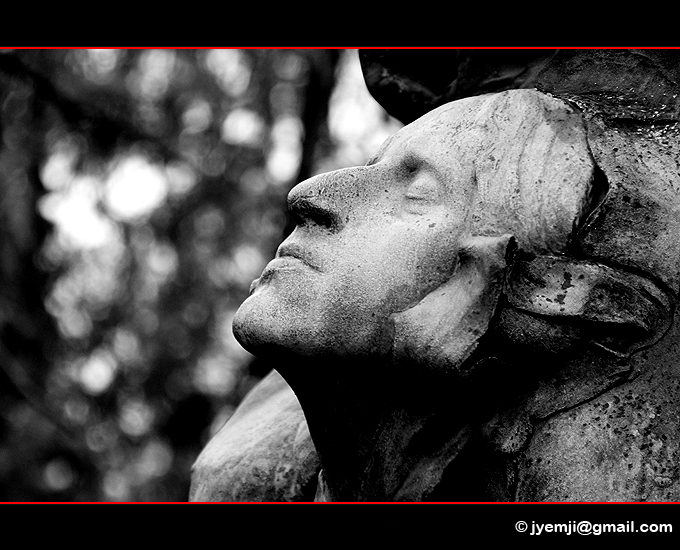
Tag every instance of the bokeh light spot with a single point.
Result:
(242, 127)
(180, 178)
(58, 474)
(136, 417)
(152, 77)
(155, 459)
(116, 486)
(197, 117)
(126, 345)
(214, 375)
(283, 161)
(98, 372)
(101, 436)
(135, 188)
(58, 172)
(76, 410)
(231, 68)
(74, 212)
(97, 64)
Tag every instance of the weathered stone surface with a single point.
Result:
(558, 286)
(263, 453)
(606, 429)
(639, 222)
(486, 310)
(620, 446)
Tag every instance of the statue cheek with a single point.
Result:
(443, 329)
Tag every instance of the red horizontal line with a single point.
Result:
(339, 47)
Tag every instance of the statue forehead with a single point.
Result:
(438, 129)
(524, 153)
(490, 116)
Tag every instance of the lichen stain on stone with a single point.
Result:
(620, 446)
(638, 222)
(567, 281)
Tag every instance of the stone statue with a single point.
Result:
(482, 312)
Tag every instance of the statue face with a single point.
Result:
(370, 241)
(374, 240)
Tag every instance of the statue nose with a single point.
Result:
(310, 211)
(324, 200)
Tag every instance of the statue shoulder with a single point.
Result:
(263, 453)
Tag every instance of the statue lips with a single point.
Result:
(292, 250)
(289, 257)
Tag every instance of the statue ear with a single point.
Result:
(443, 329)
(622, 311)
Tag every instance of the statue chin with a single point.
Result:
(264, 329)
(256, 331)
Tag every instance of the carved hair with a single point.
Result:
(537, 180)
(534, 175)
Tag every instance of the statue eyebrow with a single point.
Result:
(411, 160)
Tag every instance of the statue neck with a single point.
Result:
(382, 432)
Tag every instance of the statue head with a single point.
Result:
(410, 254)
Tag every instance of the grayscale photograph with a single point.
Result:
(340, 275)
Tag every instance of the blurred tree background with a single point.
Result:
(141, 191)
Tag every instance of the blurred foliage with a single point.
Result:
(141, 191)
